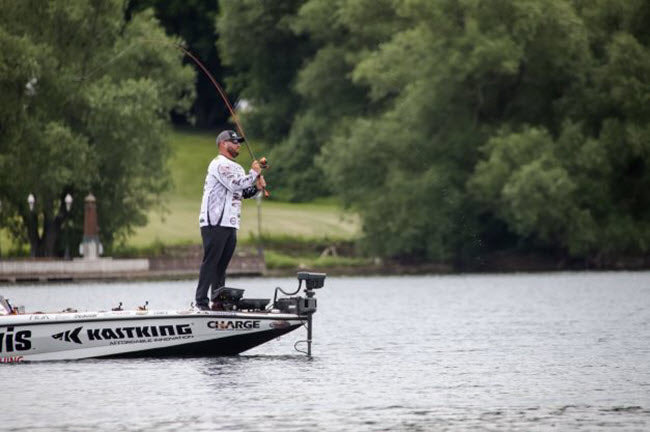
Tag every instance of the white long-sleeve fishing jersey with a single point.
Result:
(225, 185)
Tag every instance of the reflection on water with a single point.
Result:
(542, 351)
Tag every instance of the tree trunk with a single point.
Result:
(51, 231)
(43, 245)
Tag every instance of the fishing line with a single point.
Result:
(205, 70)
(196, 61)
(221, 91)
(223, 95)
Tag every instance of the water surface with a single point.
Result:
(512, 352)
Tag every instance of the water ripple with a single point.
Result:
(484, 352)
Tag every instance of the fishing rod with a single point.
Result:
(262, 161)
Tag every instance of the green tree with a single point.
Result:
(444, 84)
(85, 108)
(551, 98)
(294, 64)
(458, 127)
(263, 55)
(194, 22)
(586, 188)
(342, 31)
(529, 184)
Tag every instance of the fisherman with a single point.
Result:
(225, 185)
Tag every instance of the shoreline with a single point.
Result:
(291, 273)
(55, 271)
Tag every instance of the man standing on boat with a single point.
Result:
(226, 184)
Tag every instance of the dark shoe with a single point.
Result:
(203, 307)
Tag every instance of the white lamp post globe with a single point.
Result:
(68, 202)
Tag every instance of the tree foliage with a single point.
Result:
(193, 21)
(85, 107)
(263, 54)
(458, 127)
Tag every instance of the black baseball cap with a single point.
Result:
(230, 135)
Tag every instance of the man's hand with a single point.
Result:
(255, 166)
(261, 183)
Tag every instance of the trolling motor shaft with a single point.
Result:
(304, 306)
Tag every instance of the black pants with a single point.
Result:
(218, 246)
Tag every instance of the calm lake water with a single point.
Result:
(523, 352)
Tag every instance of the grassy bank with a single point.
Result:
(178, 222)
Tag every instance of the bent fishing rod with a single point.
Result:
(262, 161)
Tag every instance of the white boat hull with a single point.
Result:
(69, 336)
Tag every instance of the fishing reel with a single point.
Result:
(264, 164)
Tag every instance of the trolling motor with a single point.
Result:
(299, 305)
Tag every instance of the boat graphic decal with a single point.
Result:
(279, 324)
(69, 335)
(84, 315)
(141, 333)
(19, 341)
(13, 359)
(131, 332)
(234, 325)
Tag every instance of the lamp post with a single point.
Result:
(31, 200)
(68, 206)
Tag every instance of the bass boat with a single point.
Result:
(233, 325)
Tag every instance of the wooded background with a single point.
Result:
(453, 128)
